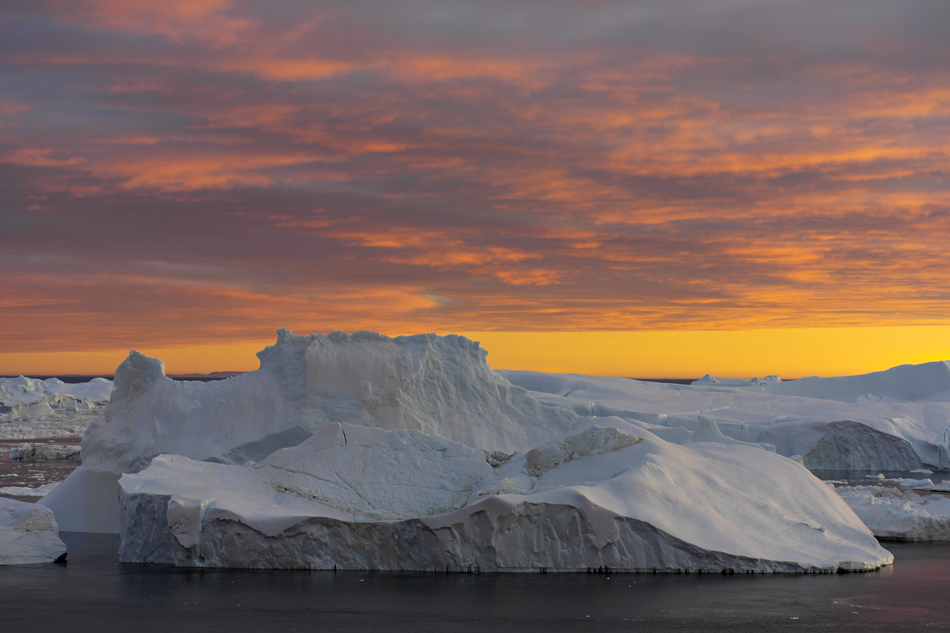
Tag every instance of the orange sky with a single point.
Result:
(789, 354)
(188, 176)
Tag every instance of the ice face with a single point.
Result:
(376, 473)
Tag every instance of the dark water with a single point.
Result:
(95, 593)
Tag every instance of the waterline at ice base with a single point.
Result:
(360, 451)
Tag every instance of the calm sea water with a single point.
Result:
(93, 592)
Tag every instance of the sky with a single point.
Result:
(648, 188)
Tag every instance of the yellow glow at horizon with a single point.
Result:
(789, 353)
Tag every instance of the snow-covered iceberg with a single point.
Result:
(31, 408)
(368, 452)
(896, 420)
(18, 394)
(28, 534)
(356, 497)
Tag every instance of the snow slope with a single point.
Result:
(891, 420)
(365, 498)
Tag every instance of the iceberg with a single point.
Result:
(28, 534)
(361, 451)
(26, 491)
(896, 420)
(31, 408)
(46, 452)
(25, 391)
(900, 515)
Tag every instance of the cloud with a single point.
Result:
(223, 168)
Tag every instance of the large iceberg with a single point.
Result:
(368, 452)
(895, 420)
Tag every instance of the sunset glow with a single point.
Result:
(649, 189)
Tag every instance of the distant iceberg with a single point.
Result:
(901, 515)
(896, 420)
(361, 451)
(25, 392)
(31, 408)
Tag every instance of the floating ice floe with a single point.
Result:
(915, 483)
(368, 452)
(28, 534)
(891, 420)
(902, 515)
(26, 491)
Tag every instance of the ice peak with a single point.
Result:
(135, 374)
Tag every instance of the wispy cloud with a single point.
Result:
(453, 165)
